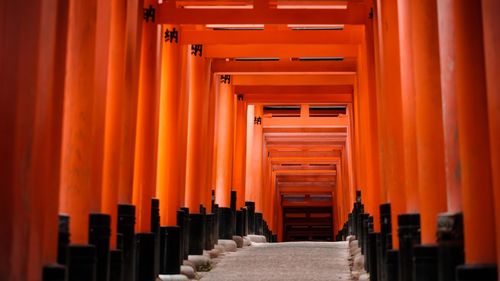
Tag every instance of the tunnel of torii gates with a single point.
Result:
(276, 113)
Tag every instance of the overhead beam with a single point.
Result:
(350, 35)
(282, 66)
(168, 13)
(294, 80)
(283, 51)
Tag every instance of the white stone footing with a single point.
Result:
(173, 277)
(239, 241)
(228, 245)
(256, 238)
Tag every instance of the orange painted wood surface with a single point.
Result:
(390, 119)
(196, 173)
(171, 151)
(430, 149)
(78, 197)
(491, 31)
(239, 159)
(225, 142)
(474, 144)
(115, 102)
(146, 140)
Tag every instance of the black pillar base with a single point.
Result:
(171, 258)
(196, 232)
(209, 232)
(81, 263)
(409, 236)
(245, 221)
(63, 239)
(251, 216)
(425, 267)
(54, 272)
(183, 223)
(99, 235)
(226, 227)
(478, 272)
(155, 228)
(259, 225)
(239, 223)
(126, 227)
(392, 265)
(145, 253)
(450, 239)
(374, 241)
(115, 265)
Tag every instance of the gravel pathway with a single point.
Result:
(297, 261)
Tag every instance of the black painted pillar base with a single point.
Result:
(374, 241)
(155, 228)
(409, 236)
(63, 239)
(145, 252)
(259, 225)
(226, 227)
(425, 266)
(115, 265)
(54, 272)
(183, 223)
(392, 265)
(81, 262)
(216, 223)
(245, 221)
(385, 239)
(251, 216)
(239, 223)
(450, 239)
(478, 272)
(196, 232)
(209, 232)
(171, 258)
(99, 235)
(126, 227)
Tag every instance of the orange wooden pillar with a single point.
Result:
(196, 172)
(390, 118)
(32, 79)
(114, 119)
(135, 17)
(474, 142)
(408, 102)
(367, 58)
(430, 149)
(78, 196)
(491, 31)
(254, 157)
(225, 141)
(368, 138)
(146, 140)
(239, 162)
(449, 105)
(171, 150)
(211, 167)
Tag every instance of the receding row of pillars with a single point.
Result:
(99, 109)
(429, 122)
(146, 255)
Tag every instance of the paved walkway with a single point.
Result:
(299, 261)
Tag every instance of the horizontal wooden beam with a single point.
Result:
(299, 98)
(283, 51)
(293, 80)
(283, 66)
(168, 13)
(350, 35)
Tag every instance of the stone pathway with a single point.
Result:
(297, 261)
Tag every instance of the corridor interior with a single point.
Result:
(181, 139)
